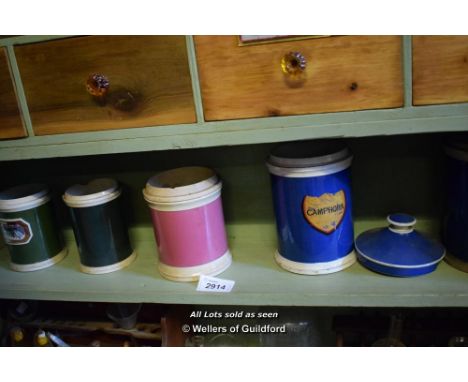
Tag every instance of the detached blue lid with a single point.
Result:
(398, 246)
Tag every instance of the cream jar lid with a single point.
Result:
(23, 197)
(96, 192)
(181, 184)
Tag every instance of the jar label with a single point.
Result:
(325, 212)
(16, 231)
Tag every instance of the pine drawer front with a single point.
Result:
(11, 125)
(440, 69)
(148, 83)
(340, 73)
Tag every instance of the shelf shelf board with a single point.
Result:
(259, 281)
(407, 120)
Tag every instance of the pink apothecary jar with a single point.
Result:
(188, 222)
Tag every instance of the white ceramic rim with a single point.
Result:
(187, 205)
(109, 268)
(401, 231)
(152, 198)
(397, 266)
(33, 200)
(398, 224)
(41, 264)
(187, 274)
(162, 194)
(97, 198)
(306, 172)
(315, 161)
(316, 268)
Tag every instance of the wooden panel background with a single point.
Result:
(154, 69)
(440, 69)
(343, 73)
(11, 125)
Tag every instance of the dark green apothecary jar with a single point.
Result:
(29, 228)
(100, 230)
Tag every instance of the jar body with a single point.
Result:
(455, 225)
(101, 236)
(188, 222)
(314, 222)
(32, 238)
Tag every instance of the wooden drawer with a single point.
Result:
(149, 83)
(440, 69)
(341, 73)
(11, 124)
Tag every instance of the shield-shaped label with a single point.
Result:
(326, 211)
(16, 231)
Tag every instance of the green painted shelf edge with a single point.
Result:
(30, 39)
(448, 118)
(259, 281)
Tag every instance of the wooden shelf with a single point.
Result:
(259, 281)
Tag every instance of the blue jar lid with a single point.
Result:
(398, 250)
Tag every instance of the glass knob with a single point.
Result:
(293, 63)
(97, 85)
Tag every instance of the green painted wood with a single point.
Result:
(443, 118)
(259, 281)
(192, 60)
(18, 40)
(408, 71)
(21, 95)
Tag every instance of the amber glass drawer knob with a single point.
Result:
(97, 85)
(293, 63)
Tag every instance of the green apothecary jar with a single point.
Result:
(100, 230)
(29, 228)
